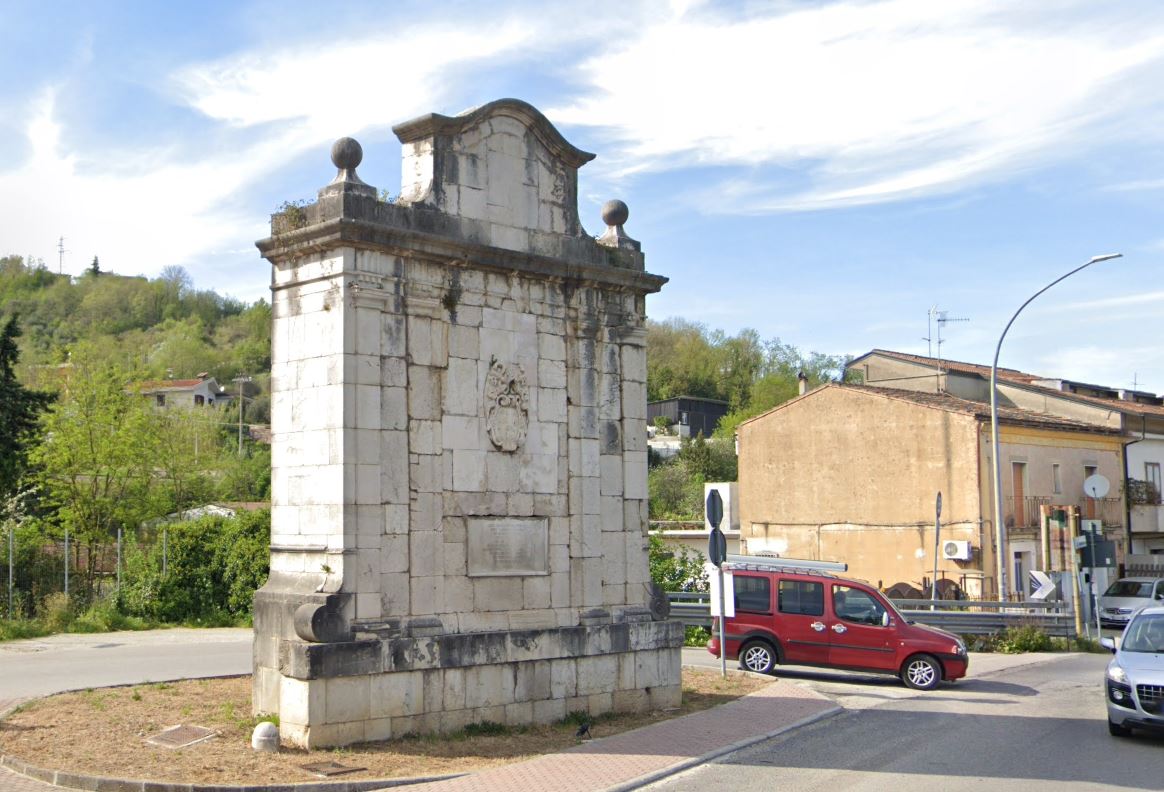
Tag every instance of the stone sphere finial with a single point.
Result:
(347, 154)
(615, 213)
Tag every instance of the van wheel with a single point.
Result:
(921, 672)
(758, 656)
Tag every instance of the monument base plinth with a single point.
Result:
(332, 694)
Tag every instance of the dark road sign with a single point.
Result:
(714, 508)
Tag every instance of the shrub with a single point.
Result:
(213, 567)
(675, 568)
(56, 611)
(1027, 638)
(696, 636)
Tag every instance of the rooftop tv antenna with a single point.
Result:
(942, 318)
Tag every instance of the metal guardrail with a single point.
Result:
(965, 617)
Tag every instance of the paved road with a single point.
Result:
(1035, 727)
(70, 662)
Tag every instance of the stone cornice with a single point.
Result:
(409, 242)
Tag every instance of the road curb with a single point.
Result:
(105, 784)
(687, 764)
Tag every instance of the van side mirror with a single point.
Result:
(1108, 644)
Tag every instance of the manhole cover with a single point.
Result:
(181, 736)
(328, 769)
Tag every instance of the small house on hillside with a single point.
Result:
(203, 391)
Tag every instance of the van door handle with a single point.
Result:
(818, 626)
(838, 628)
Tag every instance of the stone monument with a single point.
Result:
(459, 458)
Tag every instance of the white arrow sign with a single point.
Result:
(1043, 585)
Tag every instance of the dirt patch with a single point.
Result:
(103, 732)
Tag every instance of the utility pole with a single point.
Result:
(61, 256)
(240, 380)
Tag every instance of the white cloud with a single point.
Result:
(1114, 367)
(179, 203)
(861, 102)
(342, 88)
(1123, 301)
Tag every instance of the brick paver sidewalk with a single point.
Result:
(633, 758)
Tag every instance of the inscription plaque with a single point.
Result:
(500, 546)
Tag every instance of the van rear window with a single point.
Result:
(801, 596)
(753, 594)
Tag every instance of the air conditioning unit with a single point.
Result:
(956, 550)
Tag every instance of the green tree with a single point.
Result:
(681, 361)
(675, 568)
(709, 460)
(97, 461)
(19, 411)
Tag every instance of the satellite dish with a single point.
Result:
(1096, 486)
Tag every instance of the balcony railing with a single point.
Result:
(1024, 512)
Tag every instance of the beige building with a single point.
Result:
(851, 473)
(1133, 503)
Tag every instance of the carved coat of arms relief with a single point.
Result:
(506, 405)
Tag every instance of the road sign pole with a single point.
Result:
(722, 619)
(937, 547)
(1094, 587)
(1072, 524)
(717, 554)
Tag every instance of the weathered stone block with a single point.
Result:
(595, 674)
(347, 699)
(563, 678)
(549, 710)
(395, 694)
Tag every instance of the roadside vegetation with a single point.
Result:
(86, 459)
(1029, 638)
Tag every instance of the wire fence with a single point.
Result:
(36, 567)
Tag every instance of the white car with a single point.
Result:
(1126, 596)
(1134, 687)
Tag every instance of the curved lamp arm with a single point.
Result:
(998, 531)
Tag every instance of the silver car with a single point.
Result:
(1127, 595)
(1134, 686)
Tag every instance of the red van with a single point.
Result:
(796, 616)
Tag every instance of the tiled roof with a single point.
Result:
(1031, 381)
(161, 385)
(956, 365)
(981, 410)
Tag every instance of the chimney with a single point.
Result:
(802, 382)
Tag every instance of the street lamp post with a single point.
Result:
(999, 535)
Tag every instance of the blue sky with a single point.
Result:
(822, 172)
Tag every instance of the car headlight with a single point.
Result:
(959, 649)
(1116, 674)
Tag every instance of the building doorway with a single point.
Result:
(1022, 562)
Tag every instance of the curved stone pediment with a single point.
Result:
(503, 163)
